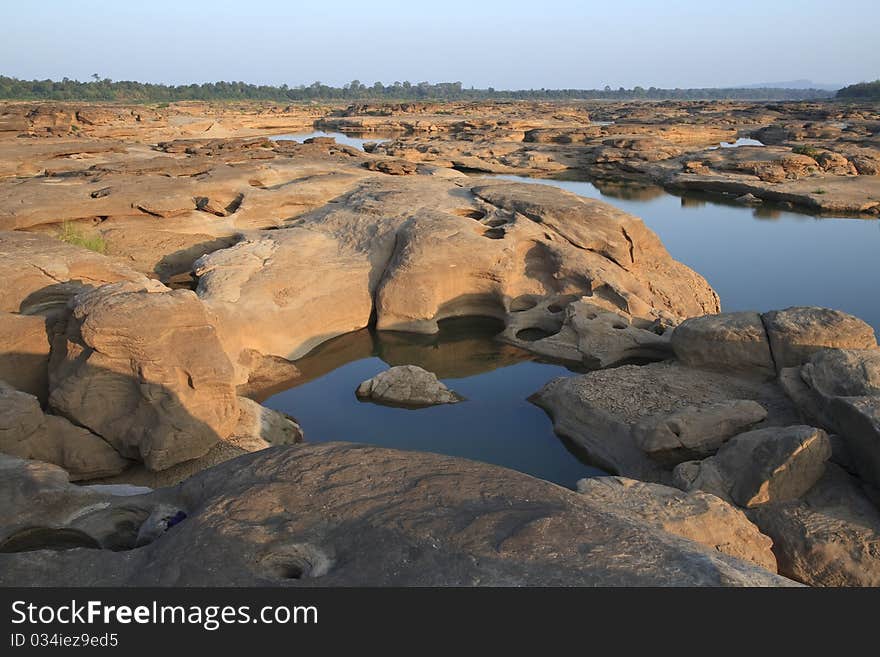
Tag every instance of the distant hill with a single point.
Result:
(794, 84)
(861, 91)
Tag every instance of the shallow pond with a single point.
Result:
(357, 140)
(495, 424)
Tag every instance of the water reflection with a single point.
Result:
(357, 140)
(496, 424)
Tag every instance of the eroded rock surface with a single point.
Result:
(354, 515)
(699, 516)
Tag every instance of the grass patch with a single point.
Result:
(818, 191)
(804, 149)
(73, 235)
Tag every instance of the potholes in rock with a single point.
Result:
(561, 304)
(470, 213)
(48, 538)
(494, 233)
(295, 561)
(495, 223)
(524, 302)
(533, 334)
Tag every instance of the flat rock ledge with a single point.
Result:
(408, 386)
(337, 514)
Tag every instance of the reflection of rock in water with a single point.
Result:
(629, 191)
(464, 347)
(691, 202)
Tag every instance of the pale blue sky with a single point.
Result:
(512, 44)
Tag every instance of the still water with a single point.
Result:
(495, 423)
(355, 140)
(756, 258)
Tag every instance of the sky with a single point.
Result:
(481, 43)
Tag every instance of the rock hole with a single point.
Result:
(523, 302)
(297, 561)
(532, 334)
(470, 213)
(560, 304)
(619, 325)
(494, 233)
(495, 223)
(48, 538)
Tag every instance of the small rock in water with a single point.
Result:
(407, 385)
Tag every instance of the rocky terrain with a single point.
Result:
(164, 266)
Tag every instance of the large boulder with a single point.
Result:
(797, 333)
(766, 465)
(829, 537)
(732, 342)
(840, 390)
(599, 411)
(336, 514)
(304, 286)
(142, 367)
(27, 432)
(407, 385)
(699, 516)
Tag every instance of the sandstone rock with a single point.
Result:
(695, 432)
(829, 537)
(104, 373)
(598, 411)
(336, 514)
(273, 427)
(734, 342)
(761, 466)
(24, 353)
(797, 333)
(698, 516)
(857, 419)
(304, 286)
(844, 372)
(42, 510)
(407, 385)
(589, 334)
(26, 432)
(41, 273)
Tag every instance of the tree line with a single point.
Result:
(104, 89)
(861, 91)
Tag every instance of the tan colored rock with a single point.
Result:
(797, 333)
(104, 373)
(41, 273)
(599, 410)
(303, 286)
(589, 334)
(26, 432)
(695, 432)
(766, 465)
(24, 353)
(360, 509)
(406, 385)
(698, 516)
(732, 342)
(829, 537)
